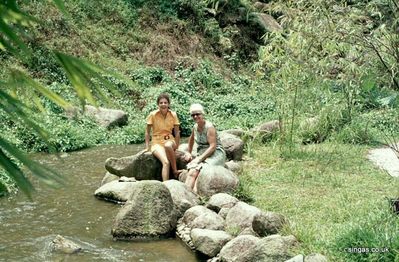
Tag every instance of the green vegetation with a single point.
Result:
(332, 195)
(330, 75)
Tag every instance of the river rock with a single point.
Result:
(234, 166)
(315, 258)
(249, 231)
(216, 179)
(233, 250)
(142, 166)
(240, 216)
(208, 221)
(182, 196)
(270, 249)
(194, 212)
(184, 148)
(221, 200)
(116, 191)
(297, 258)
(106, 117)
(266, 22)
(236, 132)
(108, 177)
(269, 127)
(233, 145)
(209, 242)
(62, 245)
(149, 213)
(267, 223)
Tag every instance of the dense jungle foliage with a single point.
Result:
(327, 69)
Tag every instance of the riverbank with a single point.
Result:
(333, 196)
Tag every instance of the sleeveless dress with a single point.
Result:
(218, 157)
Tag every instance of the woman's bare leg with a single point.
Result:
(170, 153)
(161, 155)
(191, 178)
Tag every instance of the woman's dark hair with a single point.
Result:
(163, 95)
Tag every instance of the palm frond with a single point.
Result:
(86, 77)
(10, 18)
(20, 80)
(17, 110)
(47, 175)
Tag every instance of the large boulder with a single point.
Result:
(142, 166)
(270, 249)
(208, 221)
(106, 117)
(315, 257)
(265, 22)
(202, 217)
(197, 217)
(116, 191)
(240, 217)
(233, 250)
(108, 177)
(182, 196)
(266, 128)
(209, 242)
(235, 131)
(268, 223)
(149, 213)
(235, 167)
(216, 179)
(233, 145)
(297, 258)
(221, 200)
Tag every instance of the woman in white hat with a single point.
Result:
(209, 148)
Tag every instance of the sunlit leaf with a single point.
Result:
(20, 79)
(47, 175)
(86, 77)
(15, 173)
(16, 109)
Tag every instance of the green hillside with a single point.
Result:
(328, 70)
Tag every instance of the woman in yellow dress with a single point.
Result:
(163, 122)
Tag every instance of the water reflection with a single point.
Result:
(27, 227)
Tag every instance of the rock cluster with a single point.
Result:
(222, 229)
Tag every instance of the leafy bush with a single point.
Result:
(357, 132)
(319, 128)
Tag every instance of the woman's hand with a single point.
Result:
(188, 157)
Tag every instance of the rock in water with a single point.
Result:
(148, 214)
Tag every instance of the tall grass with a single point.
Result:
(326, 191)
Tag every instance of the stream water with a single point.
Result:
(27, 227)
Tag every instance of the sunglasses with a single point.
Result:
(195, 114)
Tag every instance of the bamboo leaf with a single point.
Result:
(16, 109)
(20, 78)
(60, 5)
(16, 174)
(13, 39)
(47, 175)
(86, 78)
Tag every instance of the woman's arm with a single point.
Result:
(211, 136)
(147, 137)
(191, 142)
(188, 155)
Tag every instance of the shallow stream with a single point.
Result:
(27, 227)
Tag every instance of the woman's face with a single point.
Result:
(163, 104)
(197, 116)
